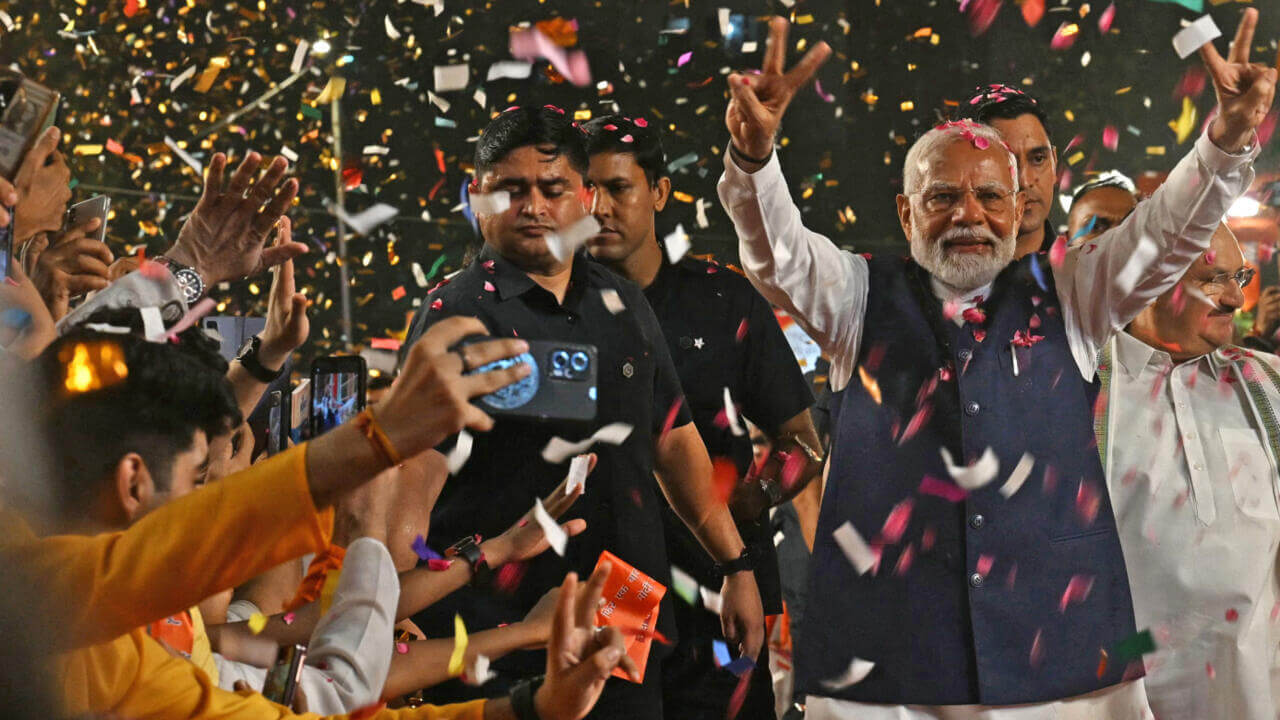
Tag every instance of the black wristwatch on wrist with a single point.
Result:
(522, 698)
(188, 279)
(468, 548)
(744, 562)
(248, 359)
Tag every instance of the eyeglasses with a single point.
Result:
(1218, 282)
(943, 200)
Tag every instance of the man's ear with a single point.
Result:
(133, 486)
(661, 191)
(904, 215)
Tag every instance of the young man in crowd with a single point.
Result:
(722, 337)
(1024, 125)
(1099, 205)
(966, 536)
(536, 159)
(1190, 449)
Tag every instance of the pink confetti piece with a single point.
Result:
(1110, 138)
(939, 488)
(1077, 590)
(532, 44)
(742, 331)
(488, 286)
(402, 648)
(640, 122)
(627, 138)
(1232, 615)
(1058, 253)
(437, 304)
(1208, 670)
(826, 96)
(1065, 36)
(438, 564)
(1012, 577)
(927, 539)
(1108, 16)
(1037, 649)
(905, 560)
(1088, 502)
(896, 523)
(980, 13)
(984, 564)
(684, 59)
(289, 618)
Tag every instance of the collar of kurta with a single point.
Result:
(509, 281)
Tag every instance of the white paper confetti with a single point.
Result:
(182, 77)
(683, 583)
(564, 244)
(460, 453)
(612, 301)
(555, 534)
(701, 209)
(451, 77)
(490, 203)
(677, 244)
(184, 156)
(299, 56)
(479, 672)
(152, 324)
(860, 555)
(509, 69)
(1019, 475)
(289, 153)
(731, 413)
(858, 670)
(363, 222)
(1190, 38)
(973, 476)
(436, 5)
(480, 97)
(559, 449)
(578, 470)
(711, 599)
(439, 102)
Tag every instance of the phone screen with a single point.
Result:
(335, 399)
(6, 248)
(275, 411)
(281, 683)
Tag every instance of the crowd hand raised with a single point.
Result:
(757, 102)
(1245, 90)
(20, 294)
(526, 539)
(430, 399)
(225, 236)
(287, 323)
(537, 622)
(44, 189)
(580, 657)
(72, 265)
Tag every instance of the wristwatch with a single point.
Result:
(188, 279)
(248, 359)
(522, 698)
(745, 561)
(468, 548)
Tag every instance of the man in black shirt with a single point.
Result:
(532, 161)
(721, 334)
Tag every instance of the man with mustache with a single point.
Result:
(1099, 205)
(723, 337)
(1023, 124)
(1190, 445)
(535, 159)
(967, 559)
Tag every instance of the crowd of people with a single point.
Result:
(1042, 479)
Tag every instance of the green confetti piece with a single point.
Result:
(1192, 5)
(1136, 645)
(74, 182)
(435, 266)
(313, 113)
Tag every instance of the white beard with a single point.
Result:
(963, 271)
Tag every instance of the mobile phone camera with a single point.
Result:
(568, 364)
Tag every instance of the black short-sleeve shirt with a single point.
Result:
(637, 385)
(722, 333)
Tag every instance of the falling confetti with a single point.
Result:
(459, 647)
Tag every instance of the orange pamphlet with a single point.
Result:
(630, 604)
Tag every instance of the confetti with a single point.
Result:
(508, 69)
(365, 221)
(184, 156)
(459, 646)
(731, 413)
(556, 535)
(860, 555)
(1065, 37)
(684, 585)
(257, 622)
(578, 470)
(289, 617)
(1077, 590)
(460, 453)
(479, 673)
(677, 244)
(152, 324)
(402, 648)
(1020, 473)
(975, 476)
(563, 245)
(1192, 37)
(1135, 646)
(857, 672)
(450, 77)
(1108, 16)
(533, 44)
(489, 203)
(933, 486)
(612, 301)
(558, 449)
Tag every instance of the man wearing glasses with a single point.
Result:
(1189, 443)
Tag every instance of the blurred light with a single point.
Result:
(321, 47)
(1244, 207)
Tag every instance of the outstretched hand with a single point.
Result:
(757, 102)
(225, 238)
(1245, 90)
(526, 539)
(287, 324)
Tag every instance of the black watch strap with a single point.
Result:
(468, 548)
(745, 561)
(248, 359)
(522, 698)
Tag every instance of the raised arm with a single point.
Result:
(1105, 283)
(795, 268)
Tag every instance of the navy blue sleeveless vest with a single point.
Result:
(976, 599)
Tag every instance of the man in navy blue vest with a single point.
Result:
(966, 558)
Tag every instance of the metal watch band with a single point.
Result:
(188, 279)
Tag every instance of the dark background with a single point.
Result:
(842, 156)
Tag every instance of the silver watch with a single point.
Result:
(188, 279)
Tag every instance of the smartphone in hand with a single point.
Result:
(283, 677)
(29, 108)
(83, 212)
(337, 391)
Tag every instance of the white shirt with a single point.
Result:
(1101, 287)
(1193, 488)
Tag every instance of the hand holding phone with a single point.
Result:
(337, 391)
(561, 386)
(282, 680)
(82, 214)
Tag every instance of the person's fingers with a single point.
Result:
(574, 527)
(803, 72)
(36, 157)
(487, 382)
(1213, 61)
(88, 264)
(244, 175)
(282, 285)
(276, 254)
(562, 625)
(473, 418)
(35, 247)
(241, 686)
(81, 284)
(266, 185)
(212, 182)
(585, 612)
(267, 217)
(445, 334)
(300, 705)
(775, 49)
(592, 458)
(599, 664)
(90, 248)
(745, 95)
(9, 195)
(1240, 46)
(754, 642)
(482, 353)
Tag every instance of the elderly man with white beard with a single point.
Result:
(967, 563)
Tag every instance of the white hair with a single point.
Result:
(929, 144)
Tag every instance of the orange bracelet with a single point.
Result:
(368, 425)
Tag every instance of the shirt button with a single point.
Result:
(976, 521)
(1191, 436)
(971, 408)
(965, 354)
(1198, 466)
(976, 580)
(570, 319)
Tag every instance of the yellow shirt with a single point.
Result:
(103, 589)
